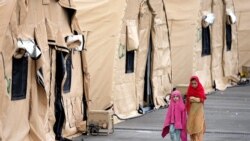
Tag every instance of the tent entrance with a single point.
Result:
(148, 103)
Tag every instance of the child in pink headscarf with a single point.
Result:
(175, 122)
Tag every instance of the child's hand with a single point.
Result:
(194, 99)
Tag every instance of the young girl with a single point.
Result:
(175, 122)
(195, 109)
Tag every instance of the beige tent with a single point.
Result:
(4, 29)
(161, 56)
(185, 38)
(242, 9)
(216, 68)
(11, 110)
(135, 51)
(144, 25)
(135, 39)
(31, 39)
(181, 26)
(184, 57)
(103, 33)
(230, 54)
(144, 28)
(218, 45)
(128, 88)
(222, 68)
(124, 86)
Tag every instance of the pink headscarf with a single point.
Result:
(176, 115)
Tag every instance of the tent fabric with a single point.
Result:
(19, 108)
(218, 46)
(4, 24)
(230, 57)
(127, 89)
(140, 11)
(180, 48)
(241, 6)
(79, 77)
(9, 109)
(124, 88)
(181, 10)
(33, 21)
(203, 63)
(94, 55)
(187, 52)
(243, 31)
(161, 59)
(132, 35)
(181, 26)
(223, 70)
(73, 100)
(145, 20)
(101, 46)
(58, 30)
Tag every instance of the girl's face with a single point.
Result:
(176, 98)
(194, 84)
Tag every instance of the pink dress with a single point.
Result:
(176, 115)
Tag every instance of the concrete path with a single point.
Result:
(227, 118)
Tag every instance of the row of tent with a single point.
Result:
(160, 47)
(60, 59)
